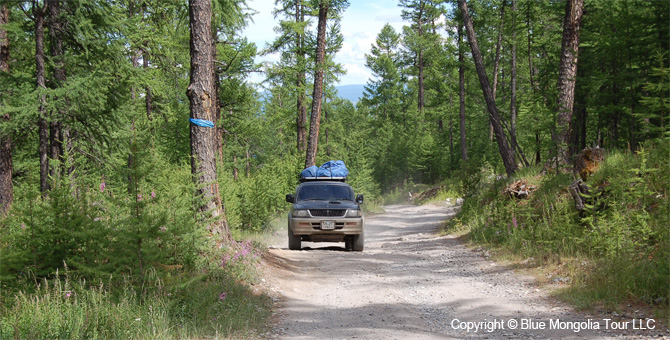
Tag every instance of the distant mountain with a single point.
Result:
(351, 92)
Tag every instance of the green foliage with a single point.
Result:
(62, 308)
(623, 230)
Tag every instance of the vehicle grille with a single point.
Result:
(327, 212)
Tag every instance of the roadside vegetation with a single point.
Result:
(137, 159)
(113, 262)
(614, 253)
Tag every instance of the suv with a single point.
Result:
(325, 211)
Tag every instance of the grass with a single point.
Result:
(614, 254)
(218, 302)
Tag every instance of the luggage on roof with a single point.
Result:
(331, 170)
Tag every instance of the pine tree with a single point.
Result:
(567, 76)
(6, 167)
(334, 7)
(506, 152)
(202, 100)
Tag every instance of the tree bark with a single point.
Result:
(58, 133)
(538, 158)
(6, 185)
(421, 62)
(312, 143)
(40, 76)
(301, 120)
(506, 152)
(219, 130)
(202, 101)
(566, 76)
(496, 62)
(513, 108)
(461, 92)
(451, 131)
(148, 98)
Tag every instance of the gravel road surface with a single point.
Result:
(410, 283)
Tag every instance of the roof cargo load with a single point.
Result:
(331, 170)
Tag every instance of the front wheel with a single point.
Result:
(358, 242)
(293, 241)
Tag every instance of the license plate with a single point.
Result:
(327, 225)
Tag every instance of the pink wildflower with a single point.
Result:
(163, 228)
(102, 187)
(139, 197)
(514, 221)
(23, 226)
(222, 296)
(153, 195)
(68, 294)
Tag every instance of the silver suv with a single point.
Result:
(325, 211)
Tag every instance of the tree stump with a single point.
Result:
(588, 161)
(577, 189)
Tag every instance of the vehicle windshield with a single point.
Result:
(325, 192)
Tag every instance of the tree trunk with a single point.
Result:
(148, 98)
(40, 76)
(218, 124)
(496, 64)
(6, 185)
(529, 30)
(301, 120)
(421, 61)
(566, 76)
(248, 160)
(506, 152)
(513, 108)
(461, 92)
(451, 131)
(538, 157)
(202, 101)
(312, 143)
(235, 170)
(57, 128)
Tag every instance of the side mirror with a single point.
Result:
(359, 198)
(290, 198)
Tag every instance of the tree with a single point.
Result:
(324, 6)
(461, 91)
(292, 41)
(6, 186)
(315, 119)
(567, 74)
(506, 152)
(59, 135)
(202, 100)
(422, 15)
(40, 78)
(383, 91)
(513, 107)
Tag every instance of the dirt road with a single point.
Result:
(411, 284)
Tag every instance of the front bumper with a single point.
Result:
(312, 225)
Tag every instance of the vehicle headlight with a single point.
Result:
(300, 213)
(353, 213)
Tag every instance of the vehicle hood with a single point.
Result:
(325, 205)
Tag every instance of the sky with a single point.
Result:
(360, 24)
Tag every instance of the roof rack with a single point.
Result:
(314, 179)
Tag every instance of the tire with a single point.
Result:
(358, 242)
(293, 241)
(349, 243)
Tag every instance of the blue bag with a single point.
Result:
(309, 172)
(333, 169)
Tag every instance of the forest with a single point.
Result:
(136, 157)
